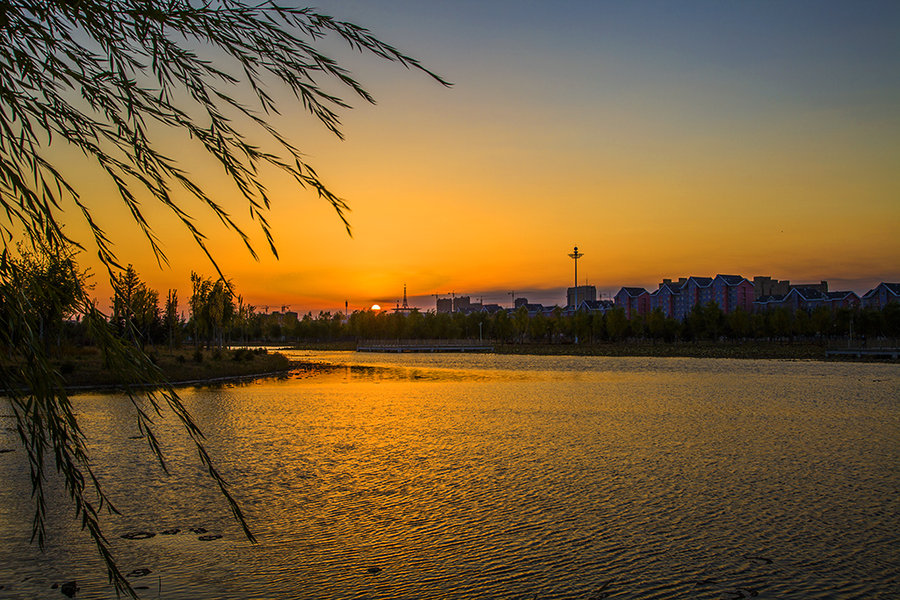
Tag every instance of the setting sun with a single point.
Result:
(638, 260)
(748, 169)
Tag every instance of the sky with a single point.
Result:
(664, 139)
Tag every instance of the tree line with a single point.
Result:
(217, 316)
(42, 291)
(705, 322)
(98, 78)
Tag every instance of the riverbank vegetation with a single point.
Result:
(79, 77)
(72, 337)
(193, 346)
(85, 367)
(707, 331)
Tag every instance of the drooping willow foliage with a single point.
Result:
(45, 419)
(99, 76)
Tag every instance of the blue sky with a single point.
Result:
(663, 138)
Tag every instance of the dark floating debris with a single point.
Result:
(600, 593)
(373, 570)
(141, 587)
(172, 531)
(69, 588)
(210, 537)
(740, 593)
(5, 450)
(761, 559)
(197, 530)
(136, 437)
(709, 581)
(138, 535)
(139, 573)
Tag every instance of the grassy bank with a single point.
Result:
(84, 367)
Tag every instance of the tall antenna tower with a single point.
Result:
(405, 308)
(576, 255)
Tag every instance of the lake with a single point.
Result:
(488, 476)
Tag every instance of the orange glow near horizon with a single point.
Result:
(655, 160)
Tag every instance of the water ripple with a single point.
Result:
(503, 477)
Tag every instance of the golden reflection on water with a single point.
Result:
(553, 477)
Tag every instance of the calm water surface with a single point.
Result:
(479, 476)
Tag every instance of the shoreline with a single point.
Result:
(83, 369)
(85, 375)
(702, 349)
(201, 382)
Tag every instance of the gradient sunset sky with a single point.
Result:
(664, 139)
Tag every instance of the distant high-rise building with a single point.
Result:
(464, 304)
(882, 295)
(444, 305)
(634, 300)
(577, 295)
(766, 286)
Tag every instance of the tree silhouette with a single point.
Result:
(135, 307)
(99, 77)
(39, 288)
